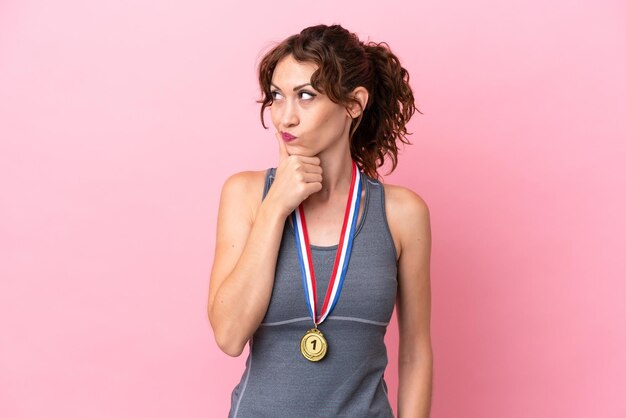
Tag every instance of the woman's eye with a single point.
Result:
(311, 95)
(274, 93)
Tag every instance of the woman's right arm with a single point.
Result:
(244, 265)
(247, 245)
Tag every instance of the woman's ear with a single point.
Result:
(361, 95)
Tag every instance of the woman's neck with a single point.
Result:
(336, 175)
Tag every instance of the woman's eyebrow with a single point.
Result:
(296, 87)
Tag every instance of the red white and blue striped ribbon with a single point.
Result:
(343, 251)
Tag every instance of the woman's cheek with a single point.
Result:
(274, 115)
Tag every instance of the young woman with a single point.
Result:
(312, 255)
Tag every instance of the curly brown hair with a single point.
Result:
(344, 63)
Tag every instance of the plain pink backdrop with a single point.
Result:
(120, 121)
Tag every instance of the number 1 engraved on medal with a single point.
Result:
(318, 345)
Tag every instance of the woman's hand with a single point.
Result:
(297, 177)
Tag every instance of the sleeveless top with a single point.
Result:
(349, 381)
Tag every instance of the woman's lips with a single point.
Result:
(287, 137)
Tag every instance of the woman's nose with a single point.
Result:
(289, 115)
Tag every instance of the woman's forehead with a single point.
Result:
(289, 72)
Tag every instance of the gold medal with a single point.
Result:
(313, 345)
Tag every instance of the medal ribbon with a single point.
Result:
(341, 259)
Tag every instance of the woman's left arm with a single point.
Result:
(415, 362)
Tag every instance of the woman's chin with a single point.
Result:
(298, 150)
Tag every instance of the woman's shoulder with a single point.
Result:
(407, 212)
(245, 186)
(403, 199)
(248, 178)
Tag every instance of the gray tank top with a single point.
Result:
(349, 381)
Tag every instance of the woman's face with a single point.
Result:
(316, 122)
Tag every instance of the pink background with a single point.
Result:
(120, 121)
